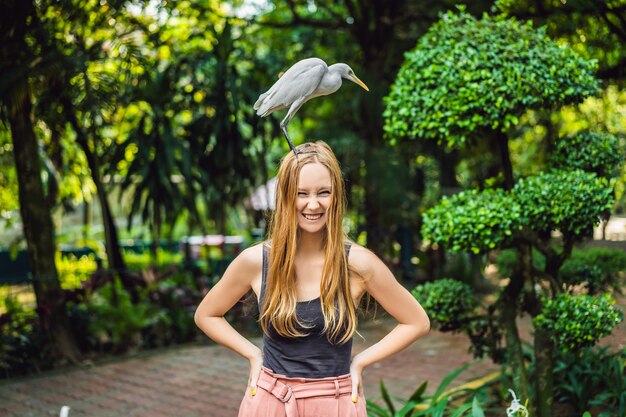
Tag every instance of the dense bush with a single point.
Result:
(105, 321)
(568, 201)
(447, 301)
(21, 339)
(116, 321)
(612, 261)
(595, 152)
(591, 377)
(473, 220)
(466, 76)
(576, 321)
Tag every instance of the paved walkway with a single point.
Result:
(209, 381)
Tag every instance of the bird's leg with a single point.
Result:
(283, 126)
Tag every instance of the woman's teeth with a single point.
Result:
(312, 216)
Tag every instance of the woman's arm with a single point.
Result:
(209, 316)
(413, 322)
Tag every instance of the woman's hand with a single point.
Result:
(256, 365)
(356, 371)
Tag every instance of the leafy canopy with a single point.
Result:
(575, 321)
(592, 152)
(467, 75)
(568, 201)
(473, 220)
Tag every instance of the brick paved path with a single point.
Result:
(209, 381)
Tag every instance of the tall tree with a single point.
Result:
(19, 62)
(470, 80)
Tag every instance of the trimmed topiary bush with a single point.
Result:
(568, 201)
(466, 76)
(575, 321)
(448, 302)
(595, 152)
(473, 220)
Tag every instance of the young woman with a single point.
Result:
(309, 280)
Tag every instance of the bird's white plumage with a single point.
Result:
(299, 82)
(306, 79)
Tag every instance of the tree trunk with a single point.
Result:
(505, 159)
(509, 306)
(543, 345)
(544, 365)
(87, 220)
(38, 227)
(111, 240)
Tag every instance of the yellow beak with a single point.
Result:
(359, 82)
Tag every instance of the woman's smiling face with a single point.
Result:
(314, 197)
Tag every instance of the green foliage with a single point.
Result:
(178, 296)
(421, 405)
(598, 269)
(575, 321)
(473, 221)
(594, 30)
(466, 76)
(568, 201)
(611, 261)
(592, 377)
(447, 301)
(141, 261)
(8, 178)
(577, 272)
(116, 320)
(595, 152)
(73, 272)
(22, 345)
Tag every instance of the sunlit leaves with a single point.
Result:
(477, 221)
(448, 301)
(568, 201)
(473, 220)
(596, 152)
(575, 321)
(466, 76)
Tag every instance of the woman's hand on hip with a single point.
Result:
(256, 366)
(356, 373)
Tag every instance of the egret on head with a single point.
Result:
(306, 79)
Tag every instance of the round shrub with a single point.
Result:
(468, 76)
(575, 321)
(447, 301)
(595, 152)
(473, 221)
(568, 201)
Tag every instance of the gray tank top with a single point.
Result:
(311, 356)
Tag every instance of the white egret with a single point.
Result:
(305, 80)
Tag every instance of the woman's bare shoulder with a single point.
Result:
(361, 259)
(251, 258)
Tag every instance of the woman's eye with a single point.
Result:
(325, 193)
(301, 194)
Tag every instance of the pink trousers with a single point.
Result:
(280, 396)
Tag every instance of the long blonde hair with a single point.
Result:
(279, 306)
